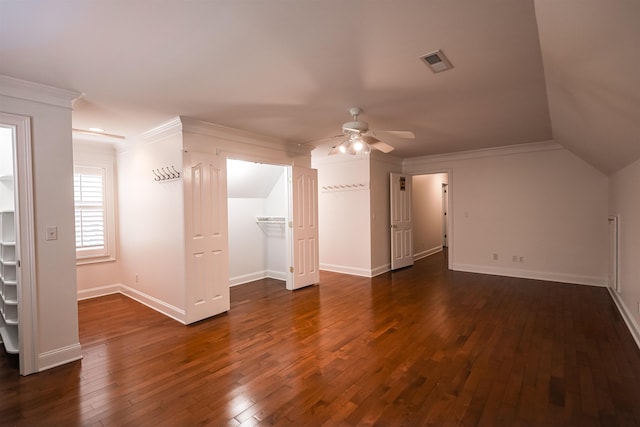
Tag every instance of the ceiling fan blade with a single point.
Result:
(404, 134)
(377, 144)
(381, 146)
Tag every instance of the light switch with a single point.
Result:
(52, 233)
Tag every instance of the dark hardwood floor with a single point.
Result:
(420, 346)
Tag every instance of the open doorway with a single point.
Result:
(17, 247)
(430, 207)
(258, 212)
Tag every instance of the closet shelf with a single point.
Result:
(270, 219)
(9, 337)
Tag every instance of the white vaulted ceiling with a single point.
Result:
(523, 71)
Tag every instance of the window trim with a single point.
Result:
(87, 161)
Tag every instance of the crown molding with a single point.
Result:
(163, 130)
(485, 152)
(240, 136)
(22, 89)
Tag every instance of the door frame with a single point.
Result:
(450, 207)
(289, 253)
(25, 240)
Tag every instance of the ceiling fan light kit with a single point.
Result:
(361, 140)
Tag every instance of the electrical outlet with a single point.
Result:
(521, 259)
(514, 258)
(495, 257)
(136, 277)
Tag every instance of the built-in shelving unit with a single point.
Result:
(8, 268)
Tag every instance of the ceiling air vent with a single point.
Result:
(436, 61)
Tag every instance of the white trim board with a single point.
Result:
(633, 327)
(59, 356)
(428, 252)
(258, 275)
(536, 275)
(152, 302)
(346, 270)
(412, 165)
(36, 92)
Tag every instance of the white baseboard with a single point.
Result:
(346, 270)
(427, 253)
(246, 278)
(152, 302)
(628, 318)
(376, 271)
(278, 275)
(536, 275)
(98, 291)
(258, 275)
(59, 356)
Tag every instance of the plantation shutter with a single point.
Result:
(89, 197)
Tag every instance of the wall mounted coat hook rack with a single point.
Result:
(166, 173)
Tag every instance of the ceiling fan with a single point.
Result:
(361, 139)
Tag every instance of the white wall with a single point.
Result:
(381, 165)
(427, 214)
(247, 241)
(151, 216)
(57, 312)
(344, 214)
(539, 202)
(277, 204)
(625, 202)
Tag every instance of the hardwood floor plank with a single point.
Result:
(419, 346)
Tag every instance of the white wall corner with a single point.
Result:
(59, 356)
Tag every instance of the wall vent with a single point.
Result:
(436, 61)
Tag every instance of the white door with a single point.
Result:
(614, 282)
(304, 212)
(445, 212)
(401, 223)
(207, 263)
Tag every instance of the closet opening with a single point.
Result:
(258, 219)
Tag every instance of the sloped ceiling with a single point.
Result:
(247, 180)
(291, 69)
(591, 55)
